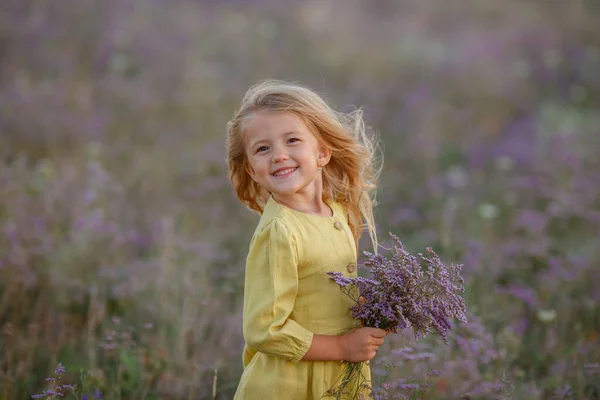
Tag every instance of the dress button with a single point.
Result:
(351, 267)
(337, 225)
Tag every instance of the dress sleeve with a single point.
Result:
(271, 286)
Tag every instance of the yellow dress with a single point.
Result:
(288, 297)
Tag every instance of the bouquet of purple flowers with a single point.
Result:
(402, 294)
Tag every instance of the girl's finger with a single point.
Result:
(379, 333)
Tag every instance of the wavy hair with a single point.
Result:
(350, 177)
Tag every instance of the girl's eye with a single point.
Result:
(262, 148)
(294, 140)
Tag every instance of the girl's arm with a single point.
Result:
(357, 345)
(270, 290)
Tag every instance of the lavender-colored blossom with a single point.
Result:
(340, 279)
(592, 368)
(59, 370)
(521, 292)
(563, 392)
(56, 389)
(402, 294)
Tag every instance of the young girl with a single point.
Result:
(309, 172)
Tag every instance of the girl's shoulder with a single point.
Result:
(274, 224)
(272, 214)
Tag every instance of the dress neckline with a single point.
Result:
(327, 202)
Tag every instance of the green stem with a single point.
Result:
(352, 377)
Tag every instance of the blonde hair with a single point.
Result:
(351, 176)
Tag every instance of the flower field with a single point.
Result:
(122, 246)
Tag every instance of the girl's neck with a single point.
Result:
(316, 207)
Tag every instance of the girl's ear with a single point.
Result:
(324, 156)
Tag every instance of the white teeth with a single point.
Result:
(284, 171)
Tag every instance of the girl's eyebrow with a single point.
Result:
(259, 141)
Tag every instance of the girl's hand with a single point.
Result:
(361, 344)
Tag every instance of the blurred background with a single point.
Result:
(122, 246)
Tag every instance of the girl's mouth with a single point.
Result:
(284, 172)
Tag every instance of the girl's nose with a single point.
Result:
(280, 155)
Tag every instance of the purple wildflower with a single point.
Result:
(404, 292)
(563, 392)
(59, 370)
(56, 389)
(340, 279)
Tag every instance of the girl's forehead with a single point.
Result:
(273, 119)
(271, 123)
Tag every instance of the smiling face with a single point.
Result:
(284, 156)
